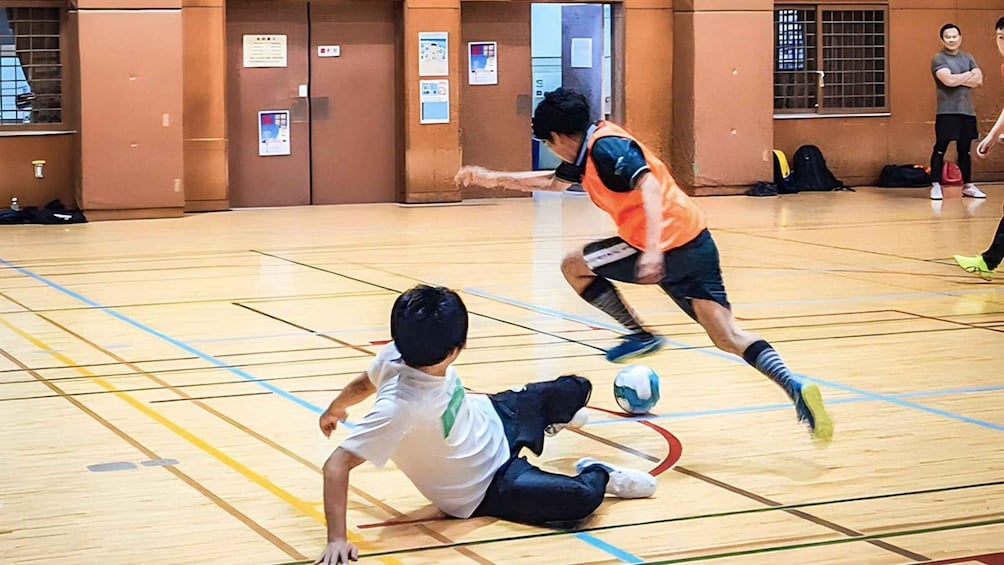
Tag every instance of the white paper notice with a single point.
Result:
(264, 50)
(582, 52)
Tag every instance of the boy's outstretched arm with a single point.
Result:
(359, 389)
(336, 487)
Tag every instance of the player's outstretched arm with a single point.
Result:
(359, 389)
(336, 488)
(527, 181)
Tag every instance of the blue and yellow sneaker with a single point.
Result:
(810, 410)
(633, 346)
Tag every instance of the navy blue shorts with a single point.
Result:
(693, 270)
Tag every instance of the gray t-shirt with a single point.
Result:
(953, 99)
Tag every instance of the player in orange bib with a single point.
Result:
(662, 238)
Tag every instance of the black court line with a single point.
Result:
(340, 342)
(731, 513)
(800, 514)
(947, 321)
(473, 313)
(794, 546)
(760, 499)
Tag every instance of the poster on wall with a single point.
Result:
(264, 51)
(434, 97)
(483, 62)
(273, 133)
(582, 52)
(433, 47)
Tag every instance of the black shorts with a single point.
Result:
(692, 270)
(956, 127)
(527, 411)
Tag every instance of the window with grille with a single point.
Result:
(830, 59)
(31, 83)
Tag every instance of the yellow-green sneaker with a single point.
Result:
(975, 265)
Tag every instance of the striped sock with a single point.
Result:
(765, 359)
(601, 294)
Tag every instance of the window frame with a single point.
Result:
(821, 110)
(65, 125)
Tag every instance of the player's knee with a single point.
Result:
(574, 265)
(585, 501)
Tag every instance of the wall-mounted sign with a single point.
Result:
(264, 50)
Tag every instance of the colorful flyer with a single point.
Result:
(434, 97)
(273, 133)
(433, 47)
(483, 62)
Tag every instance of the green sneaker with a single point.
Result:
(975, 265)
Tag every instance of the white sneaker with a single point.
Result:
(623, 483)
(936, 191)
(578, 420)
(971, 191)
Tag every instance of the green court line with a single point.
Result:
(828, 542)
(722, 515)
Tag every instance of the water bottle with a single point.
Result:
(13, 204)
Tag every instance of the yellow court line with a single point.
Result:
(298, 503)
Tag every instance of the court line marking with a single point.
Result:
(254, 434)
(839, 541)
(773, 407)
(244, 375)
(714, 515)
(223, 504)
(600, 544)
(175, 342)
(305, 507)
(670, 463)
(736, 360)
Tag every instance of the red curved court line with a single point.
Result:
(674, 444)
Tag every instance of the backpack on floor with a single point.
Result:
(762, 188)
(951, 174)
(904, 176)
(811, 172)
(782, 174)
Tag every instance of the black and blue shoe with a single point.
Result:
(633, 346)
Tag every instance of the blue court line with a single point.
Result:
(733, 359)
(611, 549)
(773, 407)
(175, 342)
(586, 537)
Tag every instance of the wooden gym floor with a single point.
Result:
(160, 383)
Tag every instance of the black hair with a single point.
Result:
(1000, 24)
(427, 323)
(947, 27)
(561, 111)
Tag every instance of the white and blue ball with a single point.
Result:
(636, 389)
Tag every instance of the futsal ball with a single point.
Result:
(636, 389)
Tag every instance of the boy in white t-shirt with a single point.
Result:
(460, 450)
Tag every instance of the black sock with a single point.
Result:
(601, 294)
(762, 356)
